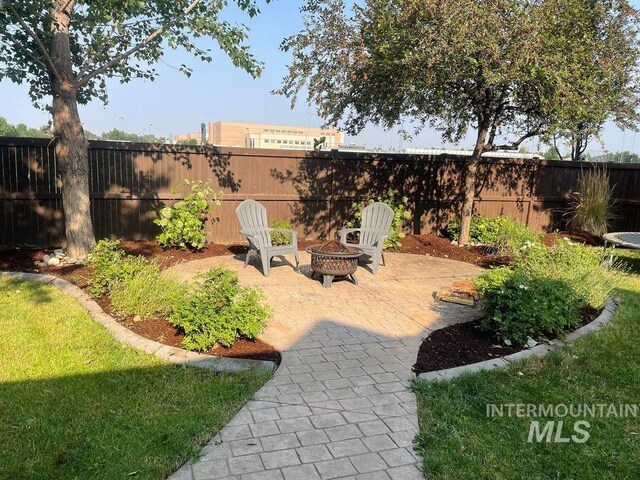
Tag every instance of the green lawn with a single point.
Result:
(76, 404)
(459, 441)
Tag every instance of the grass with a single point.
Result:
(458, 440)
(76, 404)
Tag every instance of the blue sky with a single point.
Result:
(218, 91)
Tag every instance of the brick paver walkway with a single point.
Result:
(339, 406)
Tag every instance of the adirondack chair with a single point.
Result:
(255, 228)
(374, 228)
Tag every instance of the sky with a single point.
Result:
(218, 91)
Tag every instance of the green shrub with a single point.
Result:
(582, 267)
(147, 293)
(504, 234)
(525, 299)
(524, 307)
(110, 265)
(183, 224)
(280, 238)
(399, 205)
(592, 205)
(217, 310)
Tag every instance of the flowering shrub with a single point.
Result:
(524, 307)
(545, 288)
(183, 224)
(399, 205)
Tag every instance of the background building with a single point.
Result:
(252, 135)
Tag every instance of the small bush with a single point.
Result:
(519, 306)
(399, 205)
(217, 310)
(110, 265)
(147, 293)
(504, 234)
(183, 224)
(280, 238)
(592, 205)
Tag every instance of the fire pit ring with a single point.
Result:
(334, 259)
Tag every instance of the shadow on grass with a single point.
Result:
(143, 422)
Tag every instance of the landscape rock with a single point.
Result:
(59, 251)
(55, 261)
(46, 258)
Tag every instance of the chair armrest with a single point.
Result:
(346, 231)
(253, 238)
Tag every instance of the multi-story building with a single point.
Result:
(251, 135)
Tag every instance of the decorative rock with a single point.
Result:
(137, 318)
(40, 264)
(59, 251)
(53, 261)
(454, 242)
(46, 258)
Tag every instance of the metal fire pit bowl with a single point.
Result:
(334, 259)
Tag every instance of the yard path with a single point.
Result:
(340, 404)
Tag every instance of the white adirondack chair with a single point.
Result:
(255, 228)
(374, 228)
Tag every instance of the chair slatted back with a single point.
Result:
(376, 219)
(253, 218)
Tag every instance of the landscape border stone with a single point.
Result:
(168, 353)
(537, 351)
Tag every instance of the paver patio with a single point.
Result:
(339, 406)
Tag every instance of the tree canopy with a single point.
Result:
(120, 39)
(509, 69)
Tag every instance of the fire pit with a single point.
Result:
(334, 259)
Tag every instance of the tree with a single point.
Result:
(116, 135)
(191, 141)
(594, 48)
(21, 130)
(66, 49)
(450, 64)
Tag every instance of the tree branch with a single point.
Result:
(555, 145)
(117, 59)
(35, 37)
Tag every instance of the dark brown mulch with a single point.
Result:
(465, 343)
(576, 237)
(443, 248)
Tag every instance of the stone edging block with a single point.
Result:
(537, 351)
(165, 352)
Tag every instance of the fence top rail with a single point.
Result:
(210, 150)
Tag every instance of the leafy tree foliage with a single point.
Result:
(503, 68)
(65, 50)
(21, 130)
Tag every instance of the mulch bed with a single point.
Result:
(452, 346)
(443, 248)
(464, 343)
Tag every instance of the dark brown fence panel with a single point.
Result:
(130, 183)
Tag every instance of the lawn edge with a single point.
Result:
(538, 351)
(168, 353)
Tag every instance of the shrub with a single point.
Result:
(147, 293)
(504, 234)
(217, 310)
(183, 224)
(399, 205)
(526, 299)
(110, 265)
(592, 205)
(280, 238)
(524, 306)
(582, 267)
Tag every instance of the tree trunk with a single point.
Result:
(72, 148)
(470, 185)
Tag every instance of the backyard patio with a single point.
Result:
(340, 400)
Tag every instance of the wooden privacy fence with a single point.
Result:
(129, 183)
